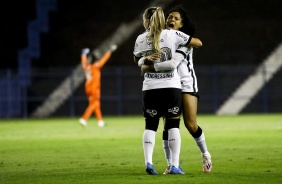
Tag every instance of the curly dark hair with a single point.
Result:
(188, 26)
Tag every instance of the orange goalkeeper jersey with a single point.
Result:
(93, 74)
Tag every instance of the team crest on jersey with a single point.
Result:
(182, 36)
(149, 41)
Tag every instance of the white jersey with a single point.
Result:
(170, 40)
(186, 71)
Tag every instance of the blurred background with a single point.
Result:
(238, 68)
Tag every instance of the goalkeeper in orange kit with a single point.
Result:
(93, 85)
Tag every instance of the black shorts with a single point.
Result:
(165, 102)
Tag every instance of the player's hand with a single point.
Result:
(147, 68)
(150, 59)
(85, 51)
(113, 48)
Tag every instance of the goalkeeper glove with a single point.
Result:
(113, 48)
(85, 51)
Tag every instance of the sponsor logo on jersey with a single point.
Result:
(159, 75)
(151, 112)
(185, 38)
(174, 110)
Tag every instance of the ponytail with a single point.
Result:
(157, 24)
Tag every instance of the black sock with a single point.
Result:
(198, 133)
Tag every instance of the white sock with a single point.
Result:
(174, 145)
(148, 145)
(201, 142)
(167, 152)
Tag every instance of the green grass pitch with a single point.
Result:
(244, 148)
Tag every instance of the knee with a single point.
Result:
(191, 125)
(172, 123)
(152, 124)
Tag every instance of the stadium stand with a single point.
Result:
(241, 34)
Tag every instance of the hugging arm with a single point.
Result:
(195, 42)
(162, 66)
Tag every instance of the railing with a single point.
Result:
(121, 91)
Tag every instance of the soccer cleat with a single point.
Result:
(207, 163)
(167, 170)
(181, 169)
(150, 169)
(174, 170)
(101, 123)
(82, 122)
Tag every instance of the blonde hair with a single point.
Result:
(156, 25)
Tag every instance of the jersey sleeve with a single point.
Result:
(140, 46)
(181, 38)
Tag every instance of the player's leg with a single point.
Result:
(98, 113)
(174, 142)
(190, 107)
(172, 117)
(152, 114)
(88, 111)
(166, 150)
(149, 137)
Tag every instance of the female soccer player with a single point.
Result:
(179, 20)
(161, 90)
(93, 85)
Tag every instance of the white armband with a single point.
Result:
(169, 64)
(141, 61)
